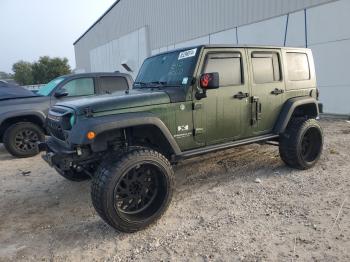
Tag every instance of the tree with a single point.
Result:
(48, 68)
(23, 73)
(40, 72)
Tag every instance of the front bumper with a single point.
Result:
(56, 155)
(60, 156)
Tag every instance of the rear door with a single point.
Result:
(267, 87)
(111, 84)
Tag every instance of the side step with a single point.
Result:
(213, 148)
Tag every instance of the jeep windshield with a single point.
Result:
(168, 69)
(47, 89)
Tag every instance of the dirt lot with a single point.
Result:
(219, 211)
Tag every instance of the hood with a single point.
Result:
(9, 91)
(23, 101)
(118, 100)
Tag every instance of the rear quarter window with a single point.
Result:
(298, 66)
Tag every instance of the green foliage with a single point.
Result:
(48, 68)
(40, 72)
(23, 73)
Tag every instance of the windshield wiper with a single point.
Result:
(153, 84)
(140, 83)
(158, 83)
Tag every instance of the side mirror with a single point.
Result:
(209, 81)
(60, 93)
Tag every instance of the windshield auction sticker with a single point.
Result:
(187, 54)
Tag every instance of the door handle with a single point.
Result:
(241, 95)
(277, 91)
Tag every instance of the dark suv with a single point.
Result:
(22, 117)
(184, 103)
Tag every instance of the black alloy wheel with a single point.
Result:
(25, 140)
(138, 189)
(21, 139)
(133, 190)
(301, 144)
(310, 146)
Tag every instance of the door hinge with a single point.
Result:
(88, 111)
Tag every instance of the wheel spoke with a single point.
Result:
(137, 189)
(122, 190)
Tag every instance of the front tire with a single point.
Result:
(301, 145)
(133, 191)
(21, 139)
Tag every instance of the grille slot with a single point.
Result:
(55, 122)
(55, 129)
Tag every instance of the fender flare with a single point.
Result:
(22, 113)
(113, 122)
(288, 110)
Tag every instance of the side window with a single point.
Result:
(111, 84)
(298, 67)
(266, 67)
(228, 65)
(80, 87)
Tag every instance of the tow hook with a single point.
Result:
(79, 152)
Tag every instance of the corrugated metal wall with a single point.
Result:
(171, 21)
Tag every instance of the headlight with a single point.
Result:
(72, 120)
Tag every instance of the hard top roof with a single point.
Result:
(230, 46)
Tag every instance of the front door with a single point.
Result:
(218, 116)
(267, 87)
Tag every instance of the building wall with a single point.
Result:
(177, 21)
(323, 28)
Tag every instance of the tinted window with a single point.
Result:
(266, 67)
(80, 87)
(228, 65)
(298, 66)
(111, 84)
(173, 68)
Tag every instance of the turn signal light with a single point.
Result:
(91, 135)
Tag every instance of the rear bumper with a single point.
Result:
(320, 107)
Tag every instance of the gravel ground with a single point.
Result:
(242, 204)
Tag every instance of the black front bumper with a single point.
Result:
(57, 155)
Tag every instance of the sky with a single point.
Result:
(33, 28)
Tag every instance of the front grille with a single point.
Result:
(58, 121)
(55, 129)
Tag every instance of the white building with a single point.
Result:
(131, 30)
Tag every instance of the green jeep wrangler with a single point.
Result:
(184, 103)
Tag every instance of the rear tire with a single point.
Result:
(301, 145)
(20, 139)
(132, 191)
